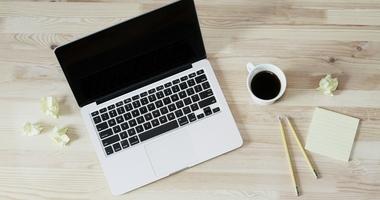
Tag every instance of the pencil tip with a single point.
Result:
(316, 174)
(297, 191)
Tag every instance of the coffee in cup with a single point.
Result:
(266, 83)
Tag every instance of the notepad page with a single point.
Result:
(331, 134)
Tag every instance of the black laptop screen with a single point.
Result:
(130, 54)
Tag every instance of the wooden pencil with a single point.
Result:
(295, 184)
(312, 168)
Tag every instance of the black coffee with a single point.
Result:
(265, 85)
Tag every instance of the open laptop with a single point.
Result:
(149, 97)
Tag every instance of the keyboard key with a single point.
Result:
(186, 110)
(207, 102)
(191, 82)
(105, 133)
(159, 87)
(97, 119)
(144, 94)
(102, 126)
(139, 129)
(183, 120)
(136, 104)
(183, 85)
(217, 109)
(135, 113)
(159, 104)
(182, 94)
(200, 72)
(140, 120)
(112, 113)
(152, 98)
(166, 100)
(105, 116)
(109, 150)
(158, 130)
(156, 113)
(116, 129)
(192, 75)
(133, 140)
(151, 107)
(198, 88)
(124, 144)
(195, 98)
(167, 92)
(168, 84)
(175, 88)
(194, 107)
(135, 97)
(132, 123)
(179, 104)
(147, 126)
(176, 81)
(207, 111)
(184, 78)
(178, 113)
(191, 117)
(131, 132)
(120, 103)
(190, 91)
(128, 107)
(187, 101)
(124, 125)
(127, 100)
(119, 119)
(111, 122)
(206, 93)
(171, 107)
(164, 110)
(123, 135)
(200, 78)
(152, 91)
(148, 116)
(174, 97)
(171, 116)
(160, 95)
(110, 140)
(110, 107)
(163, 119)
(155, 122)
(103, 110)
(200, 116)
(127, 116)
(144, 101)
(206, 85)
(120, 110)
(143, 110)
(94, 113)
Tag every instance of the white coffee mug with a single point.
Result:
(253, 70)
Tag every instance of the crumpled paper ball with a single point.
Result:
(328, 85)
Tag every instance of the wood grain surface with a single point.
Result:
(306, 38)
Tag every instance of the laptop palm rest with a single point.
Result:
(171, 153)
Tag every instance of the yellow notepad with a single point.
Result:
(331, 134)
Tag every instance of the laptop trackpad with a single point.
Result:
(171, 153)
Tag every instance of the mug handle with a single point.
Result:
(250, 67)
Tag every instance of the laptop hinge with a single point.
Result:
(143, 83)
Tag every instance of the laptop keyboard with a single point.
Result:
(153, 112)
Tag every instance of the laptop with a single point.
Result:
(149, 97)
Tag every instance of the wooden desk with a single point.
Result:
(306, 38)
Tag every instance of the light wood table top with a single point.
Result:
(306, 38)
